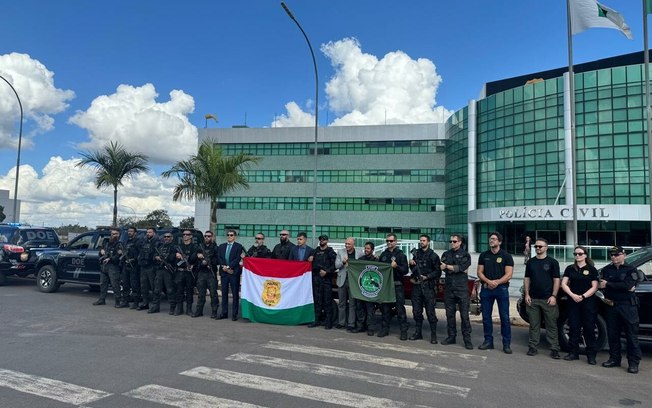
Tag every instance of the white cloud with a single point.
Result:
(367, 91)
(34, 84)
(132, 117)
(65, 194)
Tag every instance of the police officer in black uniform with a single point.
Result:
(619, 282)
(130, 271)
(110, 255)
(258, 249)
(397, 259)
(323, 271)
(184, 276)
(364, 311)
(206, 276)
(455, 263)
(147, 266)
(283, 248)
(165, 258)
(426, 270)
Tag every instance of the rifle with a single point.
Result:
(185, 263)
(416, 273)
(162, 261)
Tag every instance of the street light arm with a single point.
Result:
(20, 140)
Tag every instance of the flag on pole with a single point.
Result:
(587, 14)
(648, 6)
(277, 292)
(371, 281)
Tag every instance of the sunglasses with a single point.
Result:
(452, 241)
(539, 246)
(260, 238)
(207, 236)
(579, 253)
(230, 235)
(167, 236)
(618, 254)
(390, 240)
(187, 234)
(282, 234)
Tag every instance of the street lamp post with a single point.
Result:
(20, 140)
(314, 178)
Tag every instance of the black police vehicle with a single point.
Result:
(642, 260)
(19, 245)
(79, 261)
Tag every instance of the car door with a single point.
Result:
(80, 261)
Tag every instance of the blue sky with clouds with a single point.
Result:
(145, 73)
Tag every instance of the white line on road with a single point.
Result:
(185, 399)
(48, 388)
(348, 374)
(294, 389)
(369, 358)
(414, 350)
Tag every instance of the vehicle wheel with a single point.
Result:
(93, 288)
(3, 279)
(600, 335)
(46, 279)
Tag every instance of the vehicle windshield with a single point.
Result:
(635, 256)
(6, 233)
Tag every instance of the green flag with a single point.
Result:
(371, 281)
(648, 6)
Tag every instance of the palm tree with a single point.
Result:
(209, 175)
(112, 164)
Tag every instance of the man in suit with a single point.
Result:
(229, 258)
(301, 251)
(344, 294)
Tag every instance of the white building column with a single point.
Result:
(568, 158)
(471, 172)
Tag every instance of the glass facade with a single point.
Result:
(346, 176)
(337, 148)
(333, 204)
(457, 173)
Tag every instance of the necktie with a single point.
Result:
(228, 252)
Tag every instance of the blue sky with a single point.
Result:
(246, 61)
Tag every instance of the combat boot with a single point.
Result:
(214, 314)
(99, 302)
(178, 311)
(134, 306)
(154, 309)
(433, 336)
(173, 307)
(384, 331)
(189, 309)
(417, 335)
(404, 335)
(198, 312)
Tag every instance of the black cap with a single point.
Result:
(323, 237)
(616, 249)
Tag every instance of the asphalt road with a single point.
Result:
(56, 350)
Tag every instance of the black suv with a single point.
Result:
(642, 260)
(18, 248)
(78, 261)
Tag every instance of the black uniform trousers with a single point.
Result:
(386, 309)
(110, 273)
(456, 295)
(147, 277)
(185, 286)
(581, 322)
(206, 280)
(131, 282)
(623, 317)
(164, 279)
(322, 292)
(423, 295)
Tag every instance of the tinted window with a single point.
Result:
(40, 238)
(6, 234)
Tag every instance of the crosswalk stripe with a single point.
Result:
(348, 374)
(48, 388)
(369, 358)
(294, 389)
(186, 399)
(414, 350)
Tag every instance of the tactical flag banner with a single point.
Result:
(277, 292)
(371, 281)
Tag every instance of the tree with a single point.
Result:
(188, 222)
(209, 175)
(112, 164)
(2, 213)
(157, 219)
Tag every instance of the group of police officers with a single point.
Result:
(143, 268)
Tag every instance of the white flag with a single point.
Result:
(587, 14)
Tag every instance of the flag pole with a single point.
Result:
(571, 81)
(648, 110)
